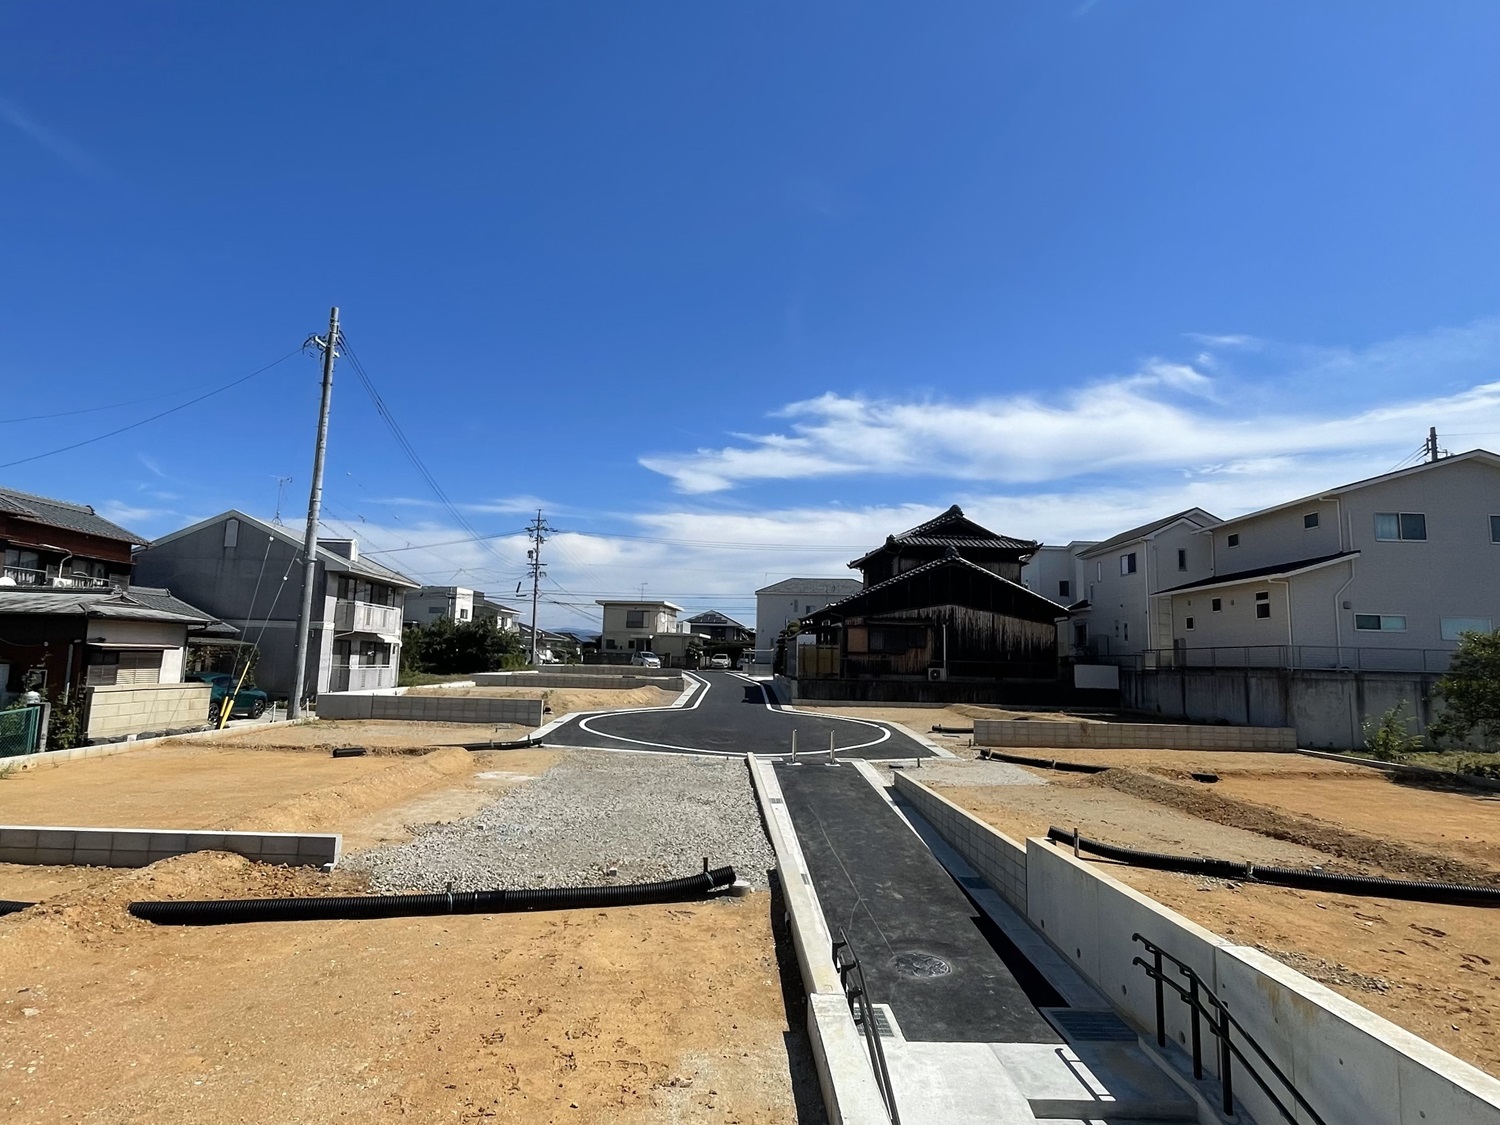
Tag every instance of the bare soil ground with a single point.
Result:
(1434, 970)
(645, 1014)
(563, 700)
(1181, 763)
(923, 719)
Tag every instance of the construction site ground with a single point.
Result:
(665, 1013)
(1432, 969)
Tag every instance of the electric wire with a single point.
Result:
(161, 414)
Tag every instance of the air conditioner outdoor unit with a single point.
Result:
(936, 674)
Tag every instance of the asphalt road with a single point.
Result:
(734, 715)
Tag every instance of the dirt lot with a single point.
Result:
(563, 700)
(649, 1014)
(1432, 969)
(646, 1014)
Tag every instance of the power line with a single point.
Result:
(413, 456)
(154, 417)
(709, 544)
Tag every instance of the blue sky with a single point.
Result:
(765, 281)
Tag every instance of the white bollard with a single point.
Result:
(794, 745)
(831, 762)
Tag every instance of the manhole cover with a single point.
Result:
(921, 965)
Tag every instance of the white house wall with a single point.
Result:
(166, 633)
(1276, 538)
(1120, 605)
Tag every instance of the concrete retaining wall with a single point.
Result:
(117, 710)
(1121, 736)
(136, 847)
(1326, 707)
(1001, 860)
(625, 680)
(395, 703)
(1353, 1066)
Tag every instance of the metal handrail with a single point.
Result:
(864, 1017)
(1205, 1005)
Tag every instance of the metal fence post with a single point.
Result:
(1226, 1079)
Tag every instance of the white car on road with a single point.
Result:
(719, 660)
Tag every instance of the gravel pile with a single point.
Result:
(594, 819)
(948, 771)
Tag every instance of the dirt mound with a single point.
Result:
(97, 913)
(1392, 857)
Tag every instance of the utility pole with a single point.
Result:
(537, 529)
(329, 345)
(1432, 449)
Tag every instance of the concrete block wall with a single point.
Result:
(667, 682)
(137, 847)
(118, 710)
(1353, 1066)
(394, 703)
(1001, 860)
(1130, 736)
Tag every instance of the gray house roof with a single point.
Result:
(61, 513)
(1195, 515)
(331, 560)
(135, 603)
(832, 587)
(714, 617)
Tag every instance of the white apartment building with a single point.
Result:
(781, 603)
(1120, 575)
(629, 626)
(432, 603)
(1384, 573)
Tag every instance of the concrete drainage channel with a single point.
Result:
(1291, 1050)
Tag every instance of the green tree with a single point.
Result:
(447, 647)
(1471, 690)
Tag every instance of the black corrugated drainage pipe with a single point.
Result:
(517, 744)
(226, 911)
(11, 906)
(1451, 894)
(940, 729)
(1042, 763)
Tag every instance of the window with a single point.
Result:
(1310, 521)
(1400, 525)
(1064, 589)
(231, 532)
(897, 638)
(1217, 604)
(1455, 627)
(1263, 605)
(610, 644)
(463, 615)
(1380, 622)
(1233, 540)
(1189, 622)
(1127, 631)
(635, 619)
(1127, 563)
(1181, 559)
(1099, 572)
(1495, 529)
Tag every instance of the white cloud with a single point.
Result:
(1165, 415)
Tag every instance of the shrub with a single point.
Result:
(1389, 737)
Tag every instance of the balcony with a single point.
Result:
(35, 579)
(366, 617)
(362, 677)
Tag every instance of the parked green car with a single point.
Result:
(247, 701)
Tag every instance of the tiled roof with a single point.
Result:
(62, 514)
(138, 603)
(713, 617)
(961, 532)
(951, 558)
